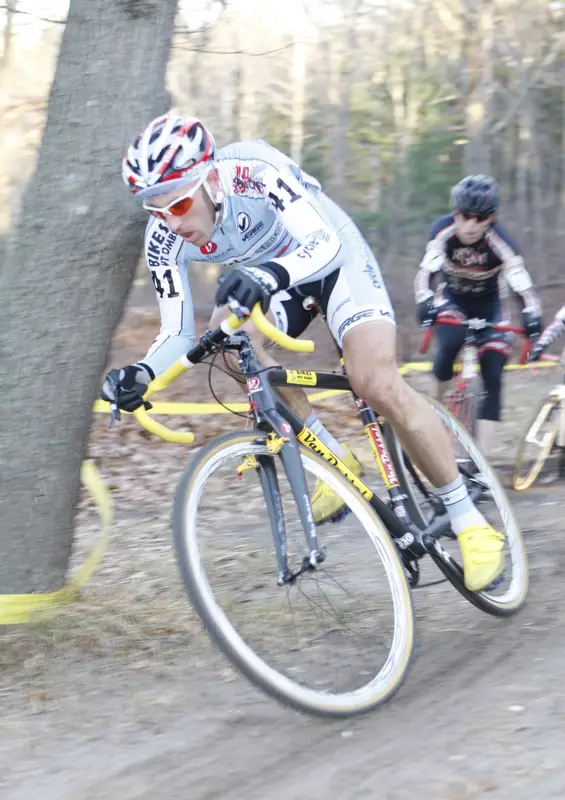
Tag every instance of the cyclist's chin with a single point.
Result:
(194, 238)
(469, 239)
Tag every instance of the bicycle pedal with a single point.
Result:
(340, 515)
(495, 584)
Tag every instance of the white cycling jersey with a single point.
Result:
(272, 211)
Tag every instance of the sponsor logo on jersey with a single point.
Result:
(369, 313)
(254, 231)
(372, 273)
(223, 253)
(243, 183)
(159, 247)
(214, 256)
(469, 257)
(269, 243)
(208, 248)
(243, 222)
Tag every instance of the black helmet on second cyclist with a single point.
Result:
(476, 194)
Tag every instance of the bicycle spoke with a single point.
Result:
(330, 627)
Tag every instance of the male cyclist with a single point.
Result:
(249, 206)
(474, 256)
(181, 152)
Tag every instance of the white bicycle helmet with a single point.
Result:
(167, 155)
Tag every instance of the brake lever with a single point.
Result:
(241, 312)
(115, 414)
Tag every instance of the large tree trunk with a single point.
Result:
(67, 273)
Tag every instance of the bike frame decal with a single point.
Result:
(301, 377)
(311, 440)
(384, 462)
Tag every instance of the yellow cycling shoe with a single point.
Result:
(483, 560)
(326, 505)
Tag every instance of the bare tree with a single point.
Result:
(67, 273)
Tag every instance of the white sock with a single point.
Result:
(460, 508)
(317, 427)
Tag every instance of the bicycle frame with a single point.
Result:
(469, 361)
(272, 415)
(558, 393)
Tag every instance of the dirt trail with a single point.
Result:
(123, 697)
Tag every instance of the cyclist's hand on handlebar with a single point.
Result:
(427, 312)
(532, 323)
(536, 351)
(130, 384)
(248, 285)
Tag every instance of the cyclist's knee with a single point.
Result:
(379, 383)
(449, 340)
(443, 366)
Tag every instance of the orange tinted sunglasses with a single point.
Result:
(177, 208)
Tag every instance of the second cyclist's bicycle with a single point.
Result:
(544, 442)
(464, 398)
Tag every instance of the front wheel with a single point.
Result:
(334, 641)
(536, 445)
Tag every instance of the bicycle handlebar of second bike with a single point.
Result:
(475, 324)
(195, 355)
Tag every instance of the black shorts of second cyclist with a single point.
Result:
(493, 353)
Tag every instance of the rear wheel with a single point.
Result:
(508, 595)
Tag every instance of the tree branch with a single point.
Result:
(12, 10)
(240, 52)
(526, 86)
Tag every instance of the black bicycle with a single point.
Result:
(319, 618)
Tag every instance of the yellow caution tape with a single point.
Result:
(171, 408)
(426, 366)
(16, 609)
(100, 406)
